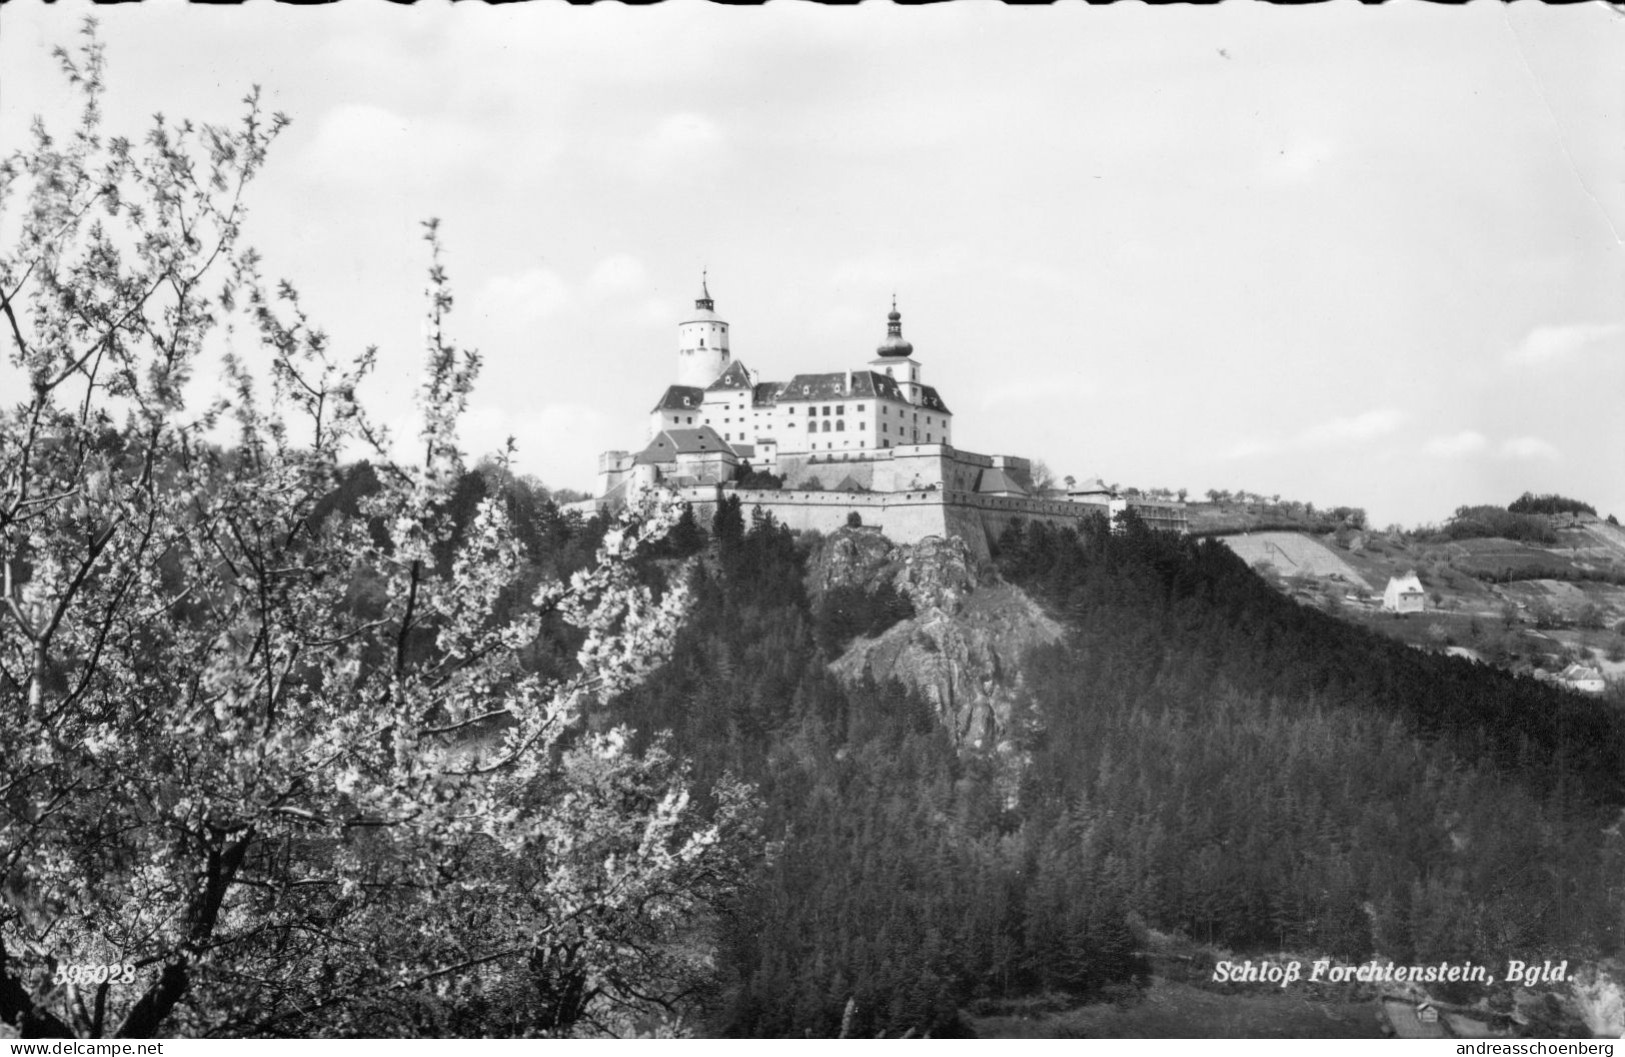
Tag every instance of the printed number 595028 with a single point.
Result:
(96, 974)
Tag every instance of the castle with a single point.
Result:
(874, 440)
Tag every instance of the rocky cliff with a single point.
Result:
(963, 646)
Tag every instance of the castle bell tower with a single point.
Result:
(702, 343)
(895, 356)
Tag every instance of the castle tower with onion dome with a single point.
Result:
(895, 356)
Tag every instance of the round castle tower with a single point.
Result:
(702, 343)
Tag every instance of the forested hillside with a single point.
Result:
(1206, 757)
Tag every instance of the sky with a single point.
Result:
(1346, 254)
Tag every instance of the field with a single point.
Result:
(1294, 554)
(1174, 1010)
(1520, 605)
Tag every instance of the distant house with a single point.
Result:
(1580, 677)
(1403, 594)
(1092, 490)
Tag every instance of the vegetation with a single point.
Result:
(293, 747)
(759, 479)
(1529, 503)
(1202, 756)
(1227, 513)
(848, 611)
(1479, 522)
(319, 747)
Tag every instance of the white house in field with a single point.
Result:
(1403, 594)
(1583, 678)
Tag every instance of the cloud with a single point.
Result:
(618, 274)
(1529, 448)
(548, 439)
(1026, 390)
(901, 271)
(1246, 449)
(685, 143)
(1349, 430)
(358, 144)
(1550, 344)
(1456, 445)
(1366, 426)
(535, 294)
(484, 429)
(524, 297)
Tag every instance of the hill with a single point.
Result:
(1524, 605)
(1294, 554)
(1193, 754)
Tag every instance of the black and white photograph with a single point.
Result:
(956, 520)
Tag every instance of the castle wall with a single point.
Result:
(797, 470)
(911, 467)
(905, 517)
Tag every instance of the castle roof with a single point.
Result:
(840, 385)
(670, 443)
(734, 376)
(704, 307)
(995, 480)
(930, 399)
(703, 315)
(895, 344)
(679, 397)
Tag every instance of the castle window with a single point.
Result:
(860, 408)
(840, 409)
(826, 427)
(840, 426)
(863, 425)
(826, 409)
(702, 343)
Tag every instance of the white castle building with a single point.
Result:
(874, 438)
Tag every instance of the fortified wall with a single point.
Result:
(905, 468)
(905, 517)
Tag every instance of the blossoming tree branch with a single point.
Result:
(269, 768)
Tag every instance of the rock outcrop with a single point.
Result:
(963, 647)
